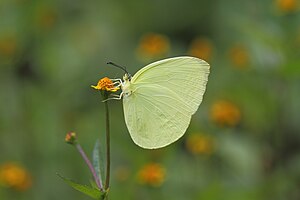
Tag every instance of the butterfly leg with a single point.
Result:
(116, 97)
(118, 82)
(116, 79)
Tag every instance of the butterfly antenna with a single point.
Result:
(120, 67)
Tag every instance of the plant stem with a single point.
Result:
(107, 146)
(89, 164)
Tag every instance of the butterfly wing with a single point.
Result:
(165, 94)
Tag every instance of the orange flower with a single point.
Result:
(14, 176)
(200, 144)
(225, 113)
(201, 48)
(152, 174)
(153, 45)
(286, 5)
(46, 17)
(105, 84)
(8, 46)
(239, 56)
(122, 173)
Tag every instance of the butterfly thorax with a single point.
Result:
(126, 86)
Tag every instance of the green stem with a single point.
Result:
(107, 146)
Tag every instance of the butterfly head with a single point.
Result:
(127, 77)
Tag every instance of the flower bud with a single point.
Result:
(71, 138)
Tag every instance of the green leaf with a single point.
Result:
(88, 190)
(96, 160)
(93, 184)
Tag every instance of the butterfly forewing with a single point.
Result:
(186, 76)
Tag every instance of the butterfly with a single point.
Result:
(160, 99)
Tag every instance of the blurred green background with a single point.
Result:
(243, 143)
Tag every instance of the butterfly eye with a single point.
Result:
(128, 76)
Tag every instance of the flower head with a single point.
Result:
(8, 46)
(14, 176)
(122, 173)
(105, 84)
(71, 138)
(200, 144)
(153, 45)
(46, 17)
(201, 48)
(152, 174)
(239, 56)
(225, 113)
(287, 5)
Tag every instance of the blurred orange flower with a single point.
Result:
(122, 173)
(8, 46)
(225, 113)
(152, 174)
(46, 17)
(15, 176)
(200, 144)
(105, 84)
(239, 56)
(286, 5)
(201, 48)
(153, 45)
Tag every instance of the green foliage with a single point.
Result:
(52, 51)
(88, 190)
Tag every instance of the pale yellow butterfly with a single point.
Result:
(160, 99)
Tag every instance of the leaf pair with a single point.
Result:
(93, 191)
